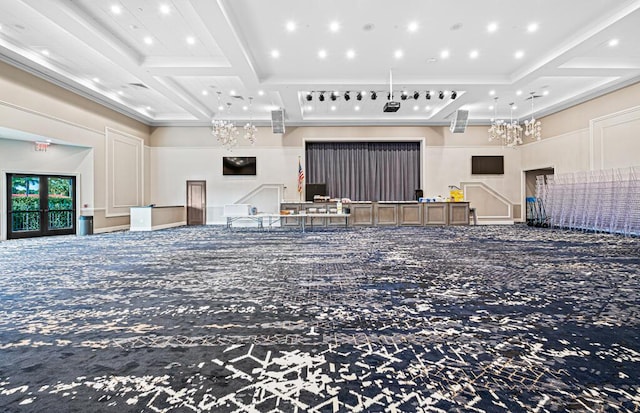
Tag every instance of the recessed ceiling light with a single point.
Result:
(232, 92)
(364, 93)
(492, 27)
(492, 92)
(491, 107)
(96, 80)
(46, 52)
(474, 54)
(351, 54)
(120, 92)
(613, 42)
(148, 40)
(445, 54)
(191, 40)
(356, 108)
(514, 107)
(322, 54)
(518, 92)
(333, 107)
(205, 93)
(398, 54)
(220, 107)
(148, 107)
(412, 27)
(532, 27)
(334, 26)
(245, 108)
(116, 9)
(546, 92)
(427, 107)
(519, 54)
(291, 26)
(165, 9)
(416, 107)
(275, 53)
(261, 92)
(309, 107)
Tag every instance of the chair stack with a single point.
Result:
(602, 201)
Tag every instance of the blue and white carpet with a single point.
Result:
(408, 319)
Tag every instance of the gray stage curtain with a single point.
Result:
(365, 171)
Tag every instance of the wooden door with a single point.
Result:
(196, 202)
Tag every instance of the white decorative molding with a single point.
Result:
(598, 127)
(46, 116)
(494, 195)
(124, 172)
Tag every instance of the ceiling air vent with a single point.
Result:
(140, 85)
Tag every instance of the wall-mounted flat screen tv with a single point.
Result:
(487, 165)
(312, 190)
(239, 165)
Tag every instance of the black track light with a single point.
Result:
(454, 94)
(347, 96)
(374, 96)
(359, 96)
(428, 95)
(389, 96)
(416, 95)
(309, 97)
(321, 98)
(334, 95)
(441, 95)
(403, 96)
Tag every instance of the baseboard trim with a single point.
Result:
(111, 229)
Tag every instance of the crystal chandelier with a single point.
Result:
(533, 127)
(224, 130)
(250, 129)
(509, 133)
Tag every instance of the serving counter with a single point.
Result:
(150, 218)
(389, 213)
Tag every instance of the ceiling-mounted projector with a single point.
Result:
(391, 106)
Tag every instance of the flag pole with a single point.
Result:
(300, 178)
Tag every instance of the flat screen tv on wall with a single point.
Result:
(487, 165)
(239, 165)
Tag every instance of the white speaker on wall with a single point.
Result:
(459, 121)
(277, 121)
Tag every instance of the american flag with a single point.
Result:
(300, 176)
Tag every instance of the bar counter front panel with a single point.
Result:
(388, 213)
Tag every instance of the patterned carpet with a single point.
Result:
(408, 319)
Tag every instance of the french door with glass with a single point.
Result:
(40, 205)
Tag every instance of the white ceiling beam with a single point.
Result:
(221, 28)
(75, 21)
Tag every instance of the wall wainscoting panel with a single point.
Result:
(125, 172)
(614, 140)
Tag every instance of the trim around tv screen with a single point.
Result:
(239, 165)
(487, 165)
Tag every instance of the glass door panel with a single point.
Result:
(60, 200)
(24, 212)
(40, 205)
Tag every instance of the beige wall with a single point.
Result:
(33, 106)
(579, 116)
(599, 133)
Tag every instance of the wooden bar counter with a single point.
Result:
(391, 213)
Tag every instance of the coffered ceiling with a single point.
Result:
(185, 62)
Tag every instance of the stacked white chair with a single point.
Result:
(603, 200)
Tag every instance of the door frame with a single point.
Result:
(187, 204)
(44, 219)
